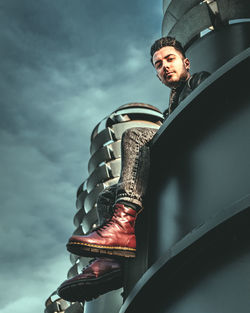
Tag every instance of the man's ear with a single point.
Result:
(187, 64)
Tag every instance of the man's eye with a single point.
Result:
(170, 59)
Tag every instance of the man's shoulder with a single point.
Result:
(193, 82)
(197, 78)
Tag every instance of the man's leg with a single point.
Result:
(105, 274)
(133, 182)
(117, 236)
(105, 203)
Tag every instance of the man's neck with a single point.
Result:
(175, 92)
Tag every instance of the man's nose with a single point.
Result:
(165, 65)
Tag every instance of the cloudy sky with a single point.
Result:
(65, 64)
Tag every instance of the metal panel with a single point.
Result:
(103, 173)
(191, 24)
(78, 217)
(137, 105)
(96, 130)
(81, 194)
(115, 167)
(72, 271)
(105, 154)
(101, 155)
(168, 23)
(165, 5)
(60, 305)
(177, 9)
(83, 261)
(137, 111)
(210, 52)
(73, 258)
(233, 9)
(186, 19)
(57, 305)
(75, 307)
(78, 231)
(93, 195)
(88, 221)
(80, 189)
(105, 135)
(111, 182)
(80, 199)
(100, 174)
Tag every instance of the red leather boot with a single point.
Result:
(101, 275)
(116, 237)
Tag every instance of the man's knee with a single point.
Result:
(130, 133)
(143, 134)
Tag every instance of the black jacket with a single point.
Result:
(183, 90)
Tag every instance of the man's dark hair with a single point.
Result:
(164, 42)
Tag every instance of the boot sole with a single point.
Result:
(82, 249)
(87, 290)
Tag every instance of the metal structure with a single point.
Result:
(212, 31)
(185, 20)
(55, 304)
(104, 168)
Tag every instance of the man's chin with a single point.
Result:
(171, 83)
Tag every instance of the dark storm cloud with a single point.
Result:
(64, 66)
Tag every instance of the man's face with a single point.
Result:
(171, 67)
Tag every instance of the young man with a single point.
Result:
(117, 235)
(173, 70)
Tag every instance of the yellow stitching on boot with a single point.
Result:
(97, 246)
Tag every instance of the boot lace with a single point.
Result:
(107, 223)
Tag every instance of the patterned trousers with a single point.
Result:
(135, 163)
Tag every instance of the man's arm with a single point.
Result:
(197, 78)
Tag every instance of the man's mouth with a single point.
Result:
(168, 75)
